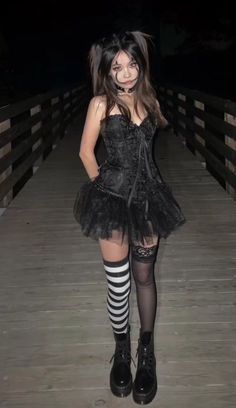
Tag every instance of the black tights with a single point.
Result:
(143, 260)
(118, 278)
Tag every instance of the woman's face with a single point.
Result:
(124, 70)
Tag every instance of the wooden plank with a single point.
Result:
(82, 353)
(53, 295)
(96, 314)
(166, 333)
(77, 375)
(184, 299)
(179, 397)
(94, 272)
(14, 109)
(214, 101)
(93, 288)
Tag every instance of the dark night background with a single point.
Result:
(44, 44)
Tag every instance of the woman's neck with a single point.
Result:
(125, 91)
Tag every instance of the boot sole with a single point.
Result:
(144, 399)
(121, 392)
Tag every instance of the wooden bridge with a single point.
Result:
(56, 338)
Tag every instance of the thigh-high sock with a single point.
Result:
(118, 279)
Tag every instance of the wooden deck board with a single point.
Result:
(56, 339)
(214, 396)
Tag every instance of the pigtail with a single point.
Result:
(142, 40)
(95, 56)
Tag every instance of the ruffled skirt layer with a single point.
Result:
(104, 215)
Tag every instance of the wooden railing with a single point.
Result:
(29, 131)
(207, 125)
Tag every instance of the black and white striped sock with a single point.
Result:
(118, 279)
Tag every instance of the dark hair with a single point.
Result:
(101, 55)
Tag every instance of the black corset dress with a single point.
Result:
(128, 201)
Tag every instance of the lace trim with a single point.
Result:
(144, 253)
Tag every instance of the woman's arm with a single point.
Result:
(90, 135)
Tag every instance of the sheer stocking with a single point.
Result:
(143, 259)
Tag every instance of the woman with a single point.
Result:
(126, 205)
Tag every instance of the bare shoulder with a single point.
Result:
(92, 126)
(158, 104)
(97, 106)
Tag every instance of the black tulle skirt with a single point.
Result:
(102, 214)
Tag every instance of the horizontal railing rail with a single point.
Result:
(29, 130)
(207, 125)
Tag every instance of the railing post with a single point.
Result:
(67, 107)
(201, 123)
(16, 143)
(46, 128)
(182, 110)
(190, 115)
(33, 111)
(6, 124)
(229, 141)
(55, 114)
(171, 105)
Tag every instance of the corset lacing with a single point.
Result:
(143, 147)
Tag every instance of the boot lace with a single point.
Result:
(122, 354)
(146, 358)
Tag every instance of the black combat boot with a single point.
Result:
(120, 376)
(145, 383)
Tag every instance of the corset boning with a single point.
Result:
(122, 171)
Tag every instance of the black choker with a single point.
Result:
(123, 90)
